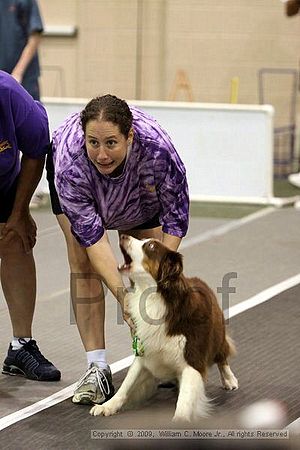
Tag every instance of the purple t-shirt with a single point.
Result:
(153, 182)
(23, 128)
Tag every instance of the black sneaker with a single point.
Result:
(30, 363)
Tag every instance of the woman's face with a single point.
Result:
(106, 145)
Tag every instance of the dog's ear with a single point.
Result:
(170, 268)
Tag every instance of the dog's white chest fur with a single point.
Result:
(165, 361)
(163, 355)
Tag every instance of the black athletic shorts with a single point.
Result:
(55, 205)
(7, 200)
(152, 223)
(56, 208)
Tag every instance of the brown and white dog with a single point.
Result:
(180, 326)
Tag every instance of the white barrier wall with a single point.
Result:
(227, 149)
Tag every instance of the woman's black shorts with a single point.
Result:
(7, 200)
(55, 205)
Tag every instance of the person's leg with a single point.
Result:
(88, 305)
(86, 292)
(87, 295)
(18, 280)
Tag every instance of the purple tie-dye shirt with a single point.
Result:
(153, 182)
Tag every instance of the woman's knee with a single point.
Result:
(11, 246)
(79, 261)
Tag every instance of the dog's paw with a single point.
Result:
(106, 409)
(231, 384)
(97, 410)
(181, 420)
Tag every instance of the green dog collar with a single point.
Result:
(137, 346)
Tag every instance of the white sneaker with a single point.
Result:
(95, 386)
(294, 179)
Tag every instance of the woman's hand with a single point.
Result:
(21, 226)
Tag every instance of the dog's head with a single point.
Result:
(149, 257)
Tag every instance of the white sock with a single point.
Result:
(97, 356)
(16, 344)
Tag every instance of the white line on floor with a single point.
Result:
(294, 427)
(58, 397)
(58, 293)
(67, 392)
(263, 296)
(223, 229)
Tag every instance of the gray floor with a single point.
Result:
(262, 252)
(261, 336)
